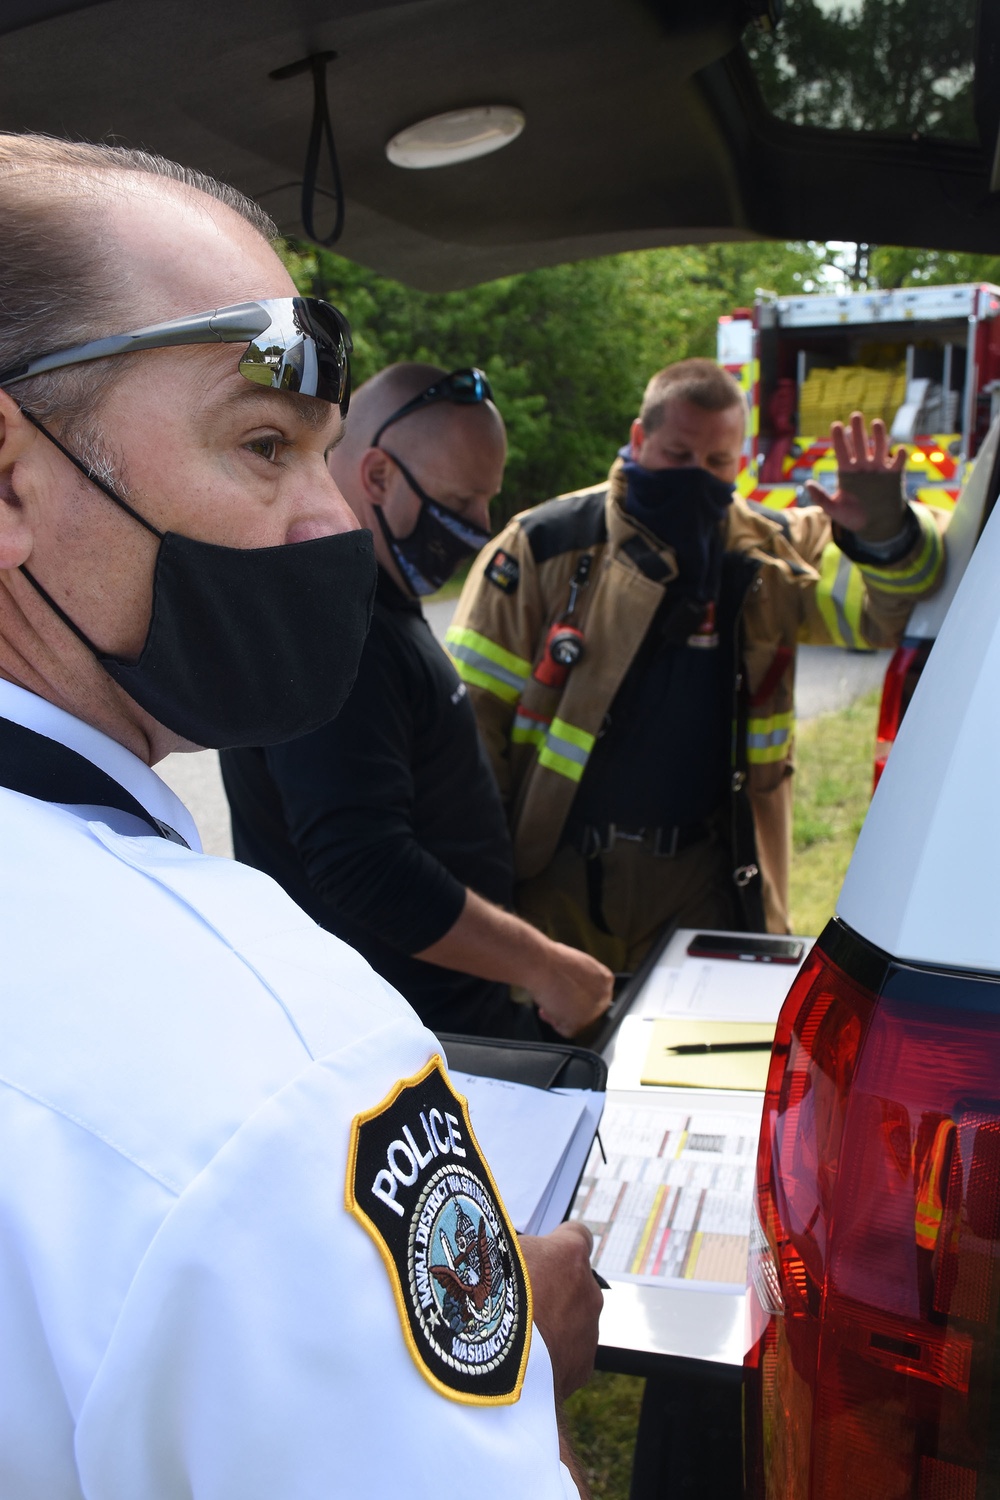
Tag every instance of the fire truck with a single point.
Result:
(924, 359)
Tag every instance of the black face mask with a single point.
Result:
(437, 544)
(246, 646)
(685, 508)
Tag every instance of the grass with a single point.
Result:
(603, 1419)
(832, 790)
(833, 783)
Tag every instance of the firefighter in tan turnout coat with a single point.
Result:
(630, 653)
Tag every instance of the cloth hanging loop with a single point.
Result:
(321, 129)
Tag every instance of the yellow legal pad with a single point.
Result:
(707, 1070)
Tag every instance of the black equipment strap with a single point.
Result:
(38, 767)
(646, 560)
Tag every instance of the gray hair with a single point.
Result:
(61, 282)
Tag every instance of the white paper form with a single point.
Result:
(716, 989)
(536, 1142)
(671, 1205)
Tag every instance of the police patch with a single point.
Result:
(504, 571)
(417, 1183)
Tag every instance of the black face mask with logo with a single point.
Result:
(434, 548)
(437, 544)
(245, 646)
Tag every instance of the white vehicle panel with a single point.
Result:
(909, 304)
(924, 883)
(963, 529)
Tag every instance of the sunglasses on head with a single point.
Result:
(297, 344)
(461, 387)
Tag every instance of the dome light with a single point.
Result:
(459, 135)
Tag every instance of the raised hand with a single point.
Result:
(869, 499)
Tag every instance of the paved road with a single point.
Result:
(826, 680)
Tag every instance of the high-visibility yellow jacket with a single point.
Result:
(800, 586)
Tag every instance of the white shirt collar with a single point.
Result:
(32, 712)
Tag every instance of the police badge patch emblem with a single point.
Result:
(504, 571)
(417, 1183)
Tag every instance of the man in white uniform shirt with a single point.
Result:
(248, 1247)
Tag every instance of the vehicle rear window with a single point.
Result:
(891, 67)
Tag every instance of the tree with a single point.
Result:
(900, 66)
(893, 265)
(568, 349)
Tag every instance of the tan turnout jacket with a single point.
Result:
(539, 738)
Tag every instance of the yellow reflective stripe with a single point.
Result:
(780, 496)
(767, 739)
(484, 664)
(927, 1226)
(917, 575)
(552, 761)
(479, 649)
(566, 749)
(561, 747)
(528, 728)
(478, 679)
(578, 737)
(929, 1208)
(840, 598)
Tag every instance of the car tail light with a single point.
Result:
(875, 1261)
(901, 678)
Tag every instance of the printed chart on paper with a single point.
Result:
(672, 1204)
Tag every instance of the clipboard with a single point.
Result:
(541, 1065)
(537, 1149)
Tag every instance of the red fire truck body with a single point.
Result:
(925, 359)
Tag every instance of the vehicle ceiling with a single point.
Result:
(644, 124)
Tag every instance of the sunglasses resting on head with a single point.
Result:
(461, 387)
(296, 344)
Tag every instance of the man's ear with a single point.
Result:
(375, 470)
(17, 437)
(637, 436)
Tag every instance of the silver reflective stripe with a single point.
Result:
(566, 748)
(838, 594)
(485, 664)
(767, 741)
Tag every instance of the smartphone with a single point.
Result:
(749, 947)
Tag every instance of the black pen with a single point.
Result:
(695, 1047)
(605, 1286)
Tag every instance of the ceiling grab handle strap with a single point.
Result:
(322, 128)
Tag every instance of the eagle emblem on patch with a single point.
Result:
(504, 571)
(417, 1183)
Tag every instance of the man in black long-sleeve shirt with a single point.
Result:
(387, 825)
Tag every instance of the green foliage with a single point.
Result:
(603, 1420)
(893, 266)
(568, 349)
(899, 66)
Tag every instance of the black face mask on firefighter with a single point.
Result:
(684, 508)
